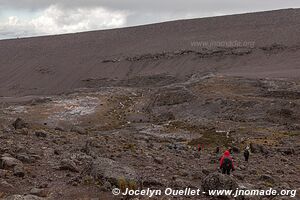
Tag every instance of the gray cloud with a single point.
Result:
(123, 13)
(166, 5)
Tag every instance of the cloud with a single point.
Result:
(55, 20)
(142, 5)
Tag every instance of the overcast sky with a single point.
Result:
(23, 18)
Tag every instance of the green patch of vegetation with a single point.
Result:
(212, 138)
(292, 133)
(131, 147)
(269, 184)
(123, 184)
(209, 136)
(88, 180)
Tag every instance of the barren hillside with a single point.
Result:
(57, 64)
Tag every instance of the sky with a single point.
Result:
(27, 18)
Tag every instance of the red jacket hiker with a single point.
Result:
(226, 163)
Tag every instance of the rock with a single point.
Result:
(137, 118)
(235, 149)
(205, 171)
(19, 171)
(267, 178)
(257, 148)
(67, 164)
(158, 160)
(197, 175)
(285, 150)
(6, 186)
(56, 152)
(38, 192)
(58, 128)
(242, 167)
(106, 186)
(19, 124)
(282, 186)
(246, 186)
(75, 181)
(41, 133)
(280, 171)
(284, 159)
(166, 116)
(239, 176)
(184, 173)
(23, 131)
(217, 181)
(3, 173)
(197, 155)
(292, 171)
(25, 158)
(23, 197)
(9, 162)
(112, 171)
(79, 130)
(153, 182)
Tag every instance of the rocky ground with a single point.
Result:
(83, 144)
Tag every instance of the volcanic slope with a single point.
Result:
(156, 54)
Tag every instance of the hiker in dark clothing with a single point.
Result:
(217, 150)
(226, 163)
(230, 150)
(246, 154)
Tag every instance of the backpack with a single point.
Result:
(227, 163)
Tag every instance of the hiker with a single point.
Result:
(247, 153)
(230, 150)
(217, 150)
(226, 163)
(199, 147)
(218, 154)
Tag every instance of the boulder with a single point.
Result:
(41, 133)
(9, 162)
(19, 171)
(25, 158)
(267, 178)
(67, 164)
(6, 186)
(38, 192)
(258, 148)
(112, 171)
(285, 150)
(23, 131)
(3, 173)
(19, 124)
(205, 171)
(158, 160)
(235, 149)
(79, 130)
(217, 181)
